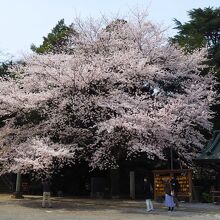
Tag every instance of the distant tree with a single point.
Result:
(56, 40)
(203, 29)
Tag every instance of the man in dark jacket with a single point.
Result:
(148, 191)
(175, 186)
(46, 193)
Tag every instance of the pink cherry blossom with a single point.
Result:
(122, 91)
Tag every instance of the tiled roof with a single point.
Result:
(212, 151)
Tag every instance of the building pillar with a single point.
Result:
(114, 183)
(218, 181)
(132, 185)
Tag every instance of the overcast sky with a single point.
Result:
(24, 22)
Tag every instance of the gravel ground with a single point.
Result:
(91, 209)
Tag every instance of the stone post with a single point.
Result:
(18, 194)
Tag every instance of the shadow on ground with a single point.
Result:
(118, 206)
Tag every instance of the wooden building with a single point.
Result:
(210, 158)
(211, 154)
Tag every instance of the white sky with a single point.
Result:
(24, 22)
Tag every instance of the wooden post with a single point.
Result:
(190, 185)
(155, 186)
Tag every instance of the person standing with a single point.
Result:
(175, 187)
(168, 195)
(46, 193)
(148, 192)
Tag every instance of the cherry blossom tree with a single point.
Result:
(121, 92)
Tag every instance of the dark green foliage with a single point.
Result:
(54, 40)
(202, 29)
(206, 197)
(5, 68)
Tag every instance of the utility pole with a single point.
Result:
(171, 157)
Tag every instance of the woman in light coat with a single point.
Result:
(169, 196)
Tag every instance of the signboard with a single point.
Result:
(184, 178)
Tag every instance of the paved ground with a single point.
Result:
(91, 209)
